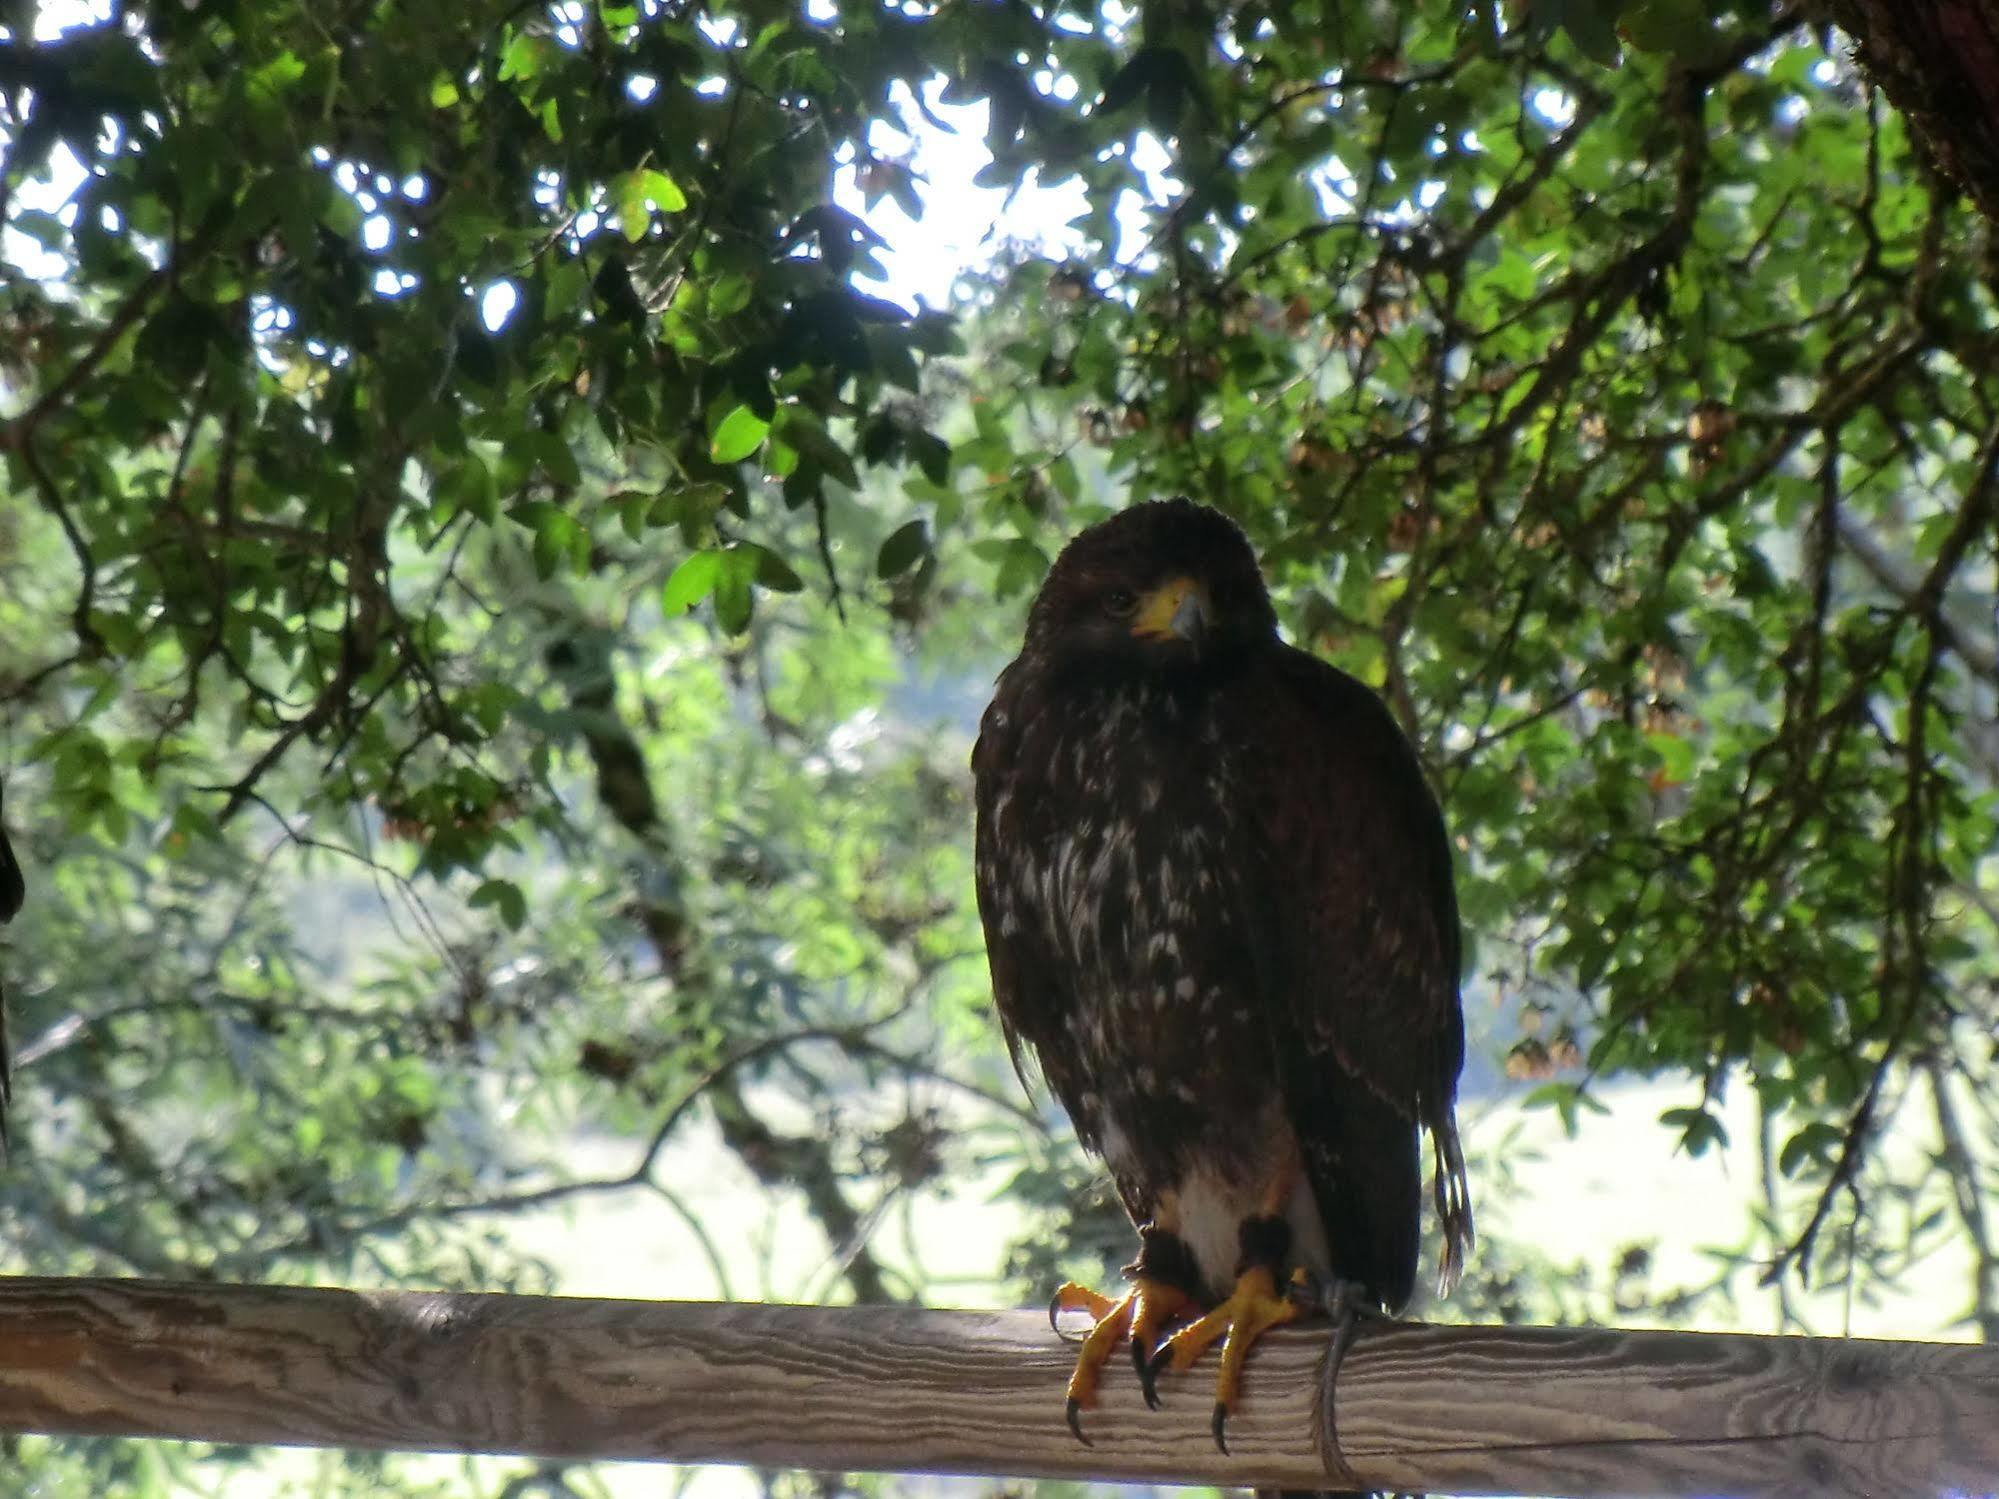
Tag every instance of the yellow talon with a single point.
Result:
(1113, 1322)
(1070, 1297)
(1253, 1308)
(1141, 1314)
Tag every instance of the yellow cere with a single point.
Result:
(1156, 609)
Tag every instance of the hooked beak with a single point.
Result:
(1177, 609)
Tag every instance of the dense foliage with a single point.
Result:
(496, 586)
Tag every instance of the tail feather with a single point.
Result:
(1453, 1198)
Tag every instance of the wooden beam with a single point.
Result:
(1569, 1411)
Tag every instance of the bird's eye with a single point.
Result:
(1120, 602)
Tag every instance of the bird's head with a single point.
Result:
(1166, 585)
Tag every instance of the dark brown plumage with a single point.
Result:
(1218, 907)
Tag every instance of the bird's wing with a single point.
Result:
(1006, 813)
(1356, 927)
(1020, 825)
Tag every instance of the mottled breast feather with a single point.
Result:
(1109, 854)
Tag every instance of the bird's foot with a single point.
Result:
(1141, 1315)
(1253, 1308)
(1346, 1302)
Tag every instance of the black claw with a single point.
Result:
(1220, 1425)
(1075, 1414)
(1055, 1321)
(1148, 1384)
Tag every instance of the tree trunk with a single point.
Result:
(1938, 62)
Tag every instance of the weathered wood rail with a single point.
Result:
(1468, 1410)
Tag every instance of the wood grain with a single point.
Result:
(1443, 1409)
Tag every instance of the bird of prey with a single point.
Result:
(1218, 908)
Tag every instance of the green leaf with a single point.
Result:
(522, 58)
(691, 582)
(633, 194)
(507, 898)
(932, 455)
(43, 227)
(901, 550)
(729, 295)
(737, 435)
(734, 599)
(269, 83)
(468, 485)
(1020, 564)
(1698, 1129)
(628, 196)
(559, 538)
(725, 575)
(1684, 28)
(771, 571)
(1130, 81)
(663, 190)
(691, 507)
(1591, 25)
(1676, 756)
(802, 431)
(551, 454)
(1817, 1141)
(1569, 1100)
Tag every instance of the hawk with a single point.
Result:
(1218, 908)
